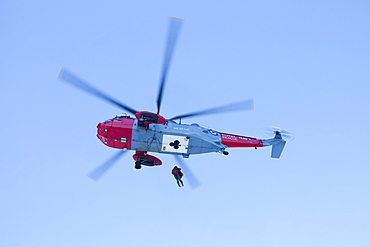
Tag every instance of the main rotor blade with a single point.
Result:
(175, 25)
(193, 181)
(101, 170)
(79, 83)
(244, 105)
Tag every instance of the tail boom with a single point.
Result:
(236, 141)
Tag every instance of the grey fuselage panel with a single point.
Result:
(174, 138)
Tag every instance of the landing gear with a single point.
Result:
(225, 152)
(138, 165)
(143, 159)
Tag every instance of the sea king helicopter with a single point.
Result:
(151, 132)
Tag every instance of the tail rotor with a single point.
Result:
(272, 131)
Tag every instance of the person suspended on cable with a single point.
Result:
(176, 172)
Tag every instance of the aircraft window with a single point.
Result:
(152, 119)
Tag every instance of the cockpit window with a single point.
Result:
(119, 117)
(115, 118)
(149, 118)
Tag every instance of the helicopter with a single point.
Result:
(151, 132)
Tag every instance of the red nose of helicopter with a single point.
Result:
(116, 132)
(102, 132)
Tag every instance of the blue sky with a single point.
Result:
(305, 64)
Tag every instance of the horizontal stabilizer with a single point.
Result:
(277, 149)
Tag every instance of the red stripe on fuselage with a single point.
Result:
(235, 141)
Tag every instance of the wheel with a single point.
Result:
(225, 152)
(138, 165)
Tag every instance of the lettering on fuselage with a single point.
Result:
(235, 138)
(180, 128)
(230, 137)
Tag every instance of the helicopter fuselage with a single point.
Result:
(170, 137)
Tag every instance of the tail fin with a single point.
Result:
(277, 149)
(277, 144)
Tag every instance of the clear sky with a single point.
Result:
(305, 64)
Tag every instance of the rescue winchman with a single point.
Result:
(176, 172)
